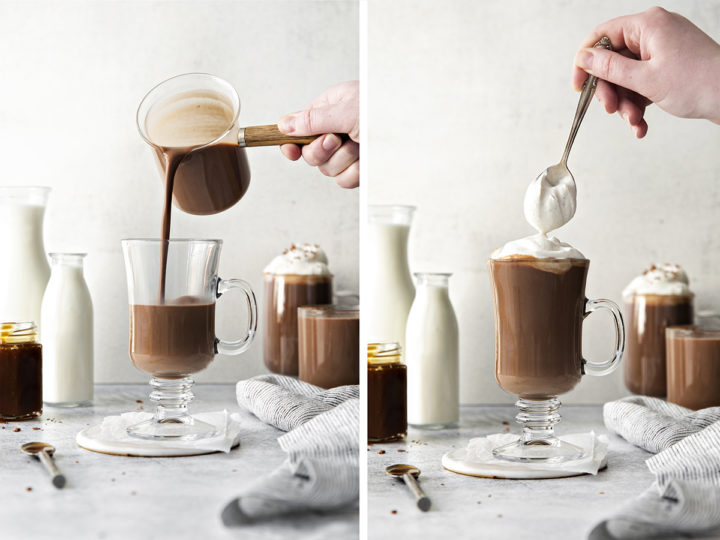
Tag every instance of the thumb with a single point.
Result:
(317, 120)
(615, 68)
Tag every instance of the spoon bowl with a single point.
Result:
(399, 470)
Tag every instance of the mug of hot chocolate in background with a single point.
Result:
(693, 366)
(328, 345)
(284, 294)
(539, 308)
(648, 315)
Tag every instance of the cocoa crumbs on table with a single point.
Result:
(393, 511)
(505, 423)
(401, 450)
(381, 451)
(16, 430)
(28, 488)
(36, 429)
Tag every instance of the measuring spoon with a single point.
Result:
(44, 451)
(409, 474)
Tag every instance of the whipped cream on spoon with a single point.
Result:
(551, 199)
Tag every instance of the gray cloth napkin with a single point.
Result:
(684, 500)
(321, 471)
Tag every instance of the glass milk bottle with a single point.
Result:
(432, 355)
(67, 338)
(24, 269)
(389, 291)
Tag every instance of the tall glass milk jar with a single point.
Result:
(432, 355)
(67, 322)
(389, 291)
(24, 269)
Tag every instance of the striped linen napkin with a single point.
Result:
(684, 500)
(321, 471)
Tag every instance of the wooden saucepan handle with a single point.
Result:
(269, 136)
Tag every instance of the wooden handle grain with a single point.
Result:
(272, 136)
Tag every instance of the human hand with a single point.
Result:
(337, 110)
(660, 57)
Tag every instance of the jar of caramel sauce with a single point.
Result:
(387, 393)
(20, 371)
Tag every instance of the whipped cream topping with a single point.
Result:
(661, 279)
(538, 246)
(300, 259)
(550, 203)
(189, 119)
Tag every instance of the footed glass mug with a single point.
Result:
(540, 306)
(172, 335)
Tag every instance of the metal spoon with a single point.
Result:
(409, 474)
(559, 171)
(44, 452)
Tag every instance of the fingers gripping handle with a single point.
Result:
(603, 368)
(242, 344)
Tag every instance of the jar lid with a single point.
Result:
(384, 353)
(17, 332)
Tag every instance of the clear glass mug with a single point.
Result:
(173, 336)
(539, 308)
(214, 173)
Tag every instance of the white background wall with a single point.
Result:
(469, 101)
(73, 74)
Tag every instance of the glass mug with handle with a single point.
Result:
(539, 308)
(173, 335)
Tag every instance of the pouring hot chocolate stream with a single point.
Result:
(191, 122)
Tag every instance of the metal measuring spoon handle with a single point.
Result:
(58, 479)
(588, 91)
(422, 500)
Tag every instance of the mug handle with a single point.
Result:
(242, 344)
(603, 368)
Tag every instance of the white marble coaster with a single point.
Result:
(477, 459)
(110, 437)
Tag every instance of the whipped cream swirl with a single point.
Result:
(661, 279)
(300, 259)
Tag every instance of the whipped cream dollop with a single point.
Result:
(300, 259)
(662, 279)
(189, 119)
(539, 246)
(550, 202)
